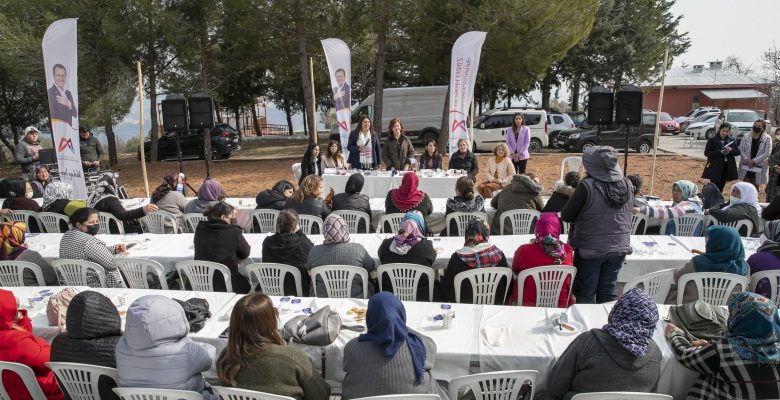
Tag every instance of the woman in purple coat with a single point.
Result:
(767, 257)
(518, 136)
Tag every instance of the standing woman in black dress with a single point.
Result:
(720, 151)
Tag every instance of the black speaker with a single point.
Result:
(629, 106)
(174, 110)
(600, 100)
(46, 156)
(201, 111)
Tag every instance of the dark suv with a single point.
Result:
(640, 137)
(224, 141)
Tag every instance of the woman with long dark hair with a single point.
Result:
(363, 146)
(518, 137)
(430, 158)
(311, 163)
(333, 157)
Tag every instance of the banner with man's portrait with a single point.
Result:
(340, 68)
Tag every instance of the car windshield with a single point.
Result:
(479, 119)
(666, 117)
(742, 116)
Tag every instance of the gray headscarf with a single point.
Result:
(56, 191)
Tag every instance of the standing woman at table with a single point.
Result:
(465, 160)
(168, 199)
(311, 164)
(721, 151)
(104, 199)
(407, 198)
(363, 146)
(409, 246)
(220, 240)
(398, 150)
(518, 137)
(430, 158)
(333, 157)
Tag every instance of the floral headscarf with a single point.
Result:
(477, 251)
(56, 191)
(408, 236)
(754, 328)
(106, 187)
(169, 183)
(632, 321)
(547, 235)
(12, 239)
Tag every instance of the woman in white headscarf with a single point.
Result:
(743, 204)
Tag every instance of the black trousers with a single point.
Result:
(520, 166)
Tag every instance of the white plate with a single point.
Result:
(564, 332)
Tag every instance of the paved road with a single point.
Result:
(680, 145)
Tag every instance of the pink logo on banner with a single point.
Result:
(463, 74)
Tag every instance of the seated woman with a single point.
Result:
(42, 179)
(430, 158)
(743, 204)
(724, 253)
(562, 192)
(464, 201)
(465, 160)
(524, 193)
(409, 246)
(257, 358)
(94, 328)
(333, 157)
(767, 257)
(477, 252)
(545, 249)
(306, 199)
(19, 345)
(311, 164)
(741, 365)
(336, 249)
(80, 243)
(684, 201)
(156, 351)
(56, 199)
(276, 197)
(639, 199)
(621, 356)
(13, 249)
(289, 245)
(219, 240)
(167, 198)
(404, 356)
(20, 195)
(209, 193)
(104, 199)
(498, 173)
(407, 198)
(352, 200)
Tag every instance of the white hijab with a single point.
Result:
(748, 195)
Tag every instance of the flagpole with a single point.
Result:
(313, 132)
(471, 127)
(658, 120)
(141, 129)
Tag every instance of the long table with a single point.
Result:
(440, 184)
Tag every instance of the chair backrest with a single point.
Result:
(231, 393)
(12, 273)
(686, 224)
(265, 219)
(200, 274)
(484, 284)
(393, 220)
(655, 284)
(296, 168)
(713, 287)
(353, 218)
(308, 222)
(24, 216)
(51, 221)
(155, 221)
(565, 226)
(135, 269)
(738, 225)
(338, 280)
(521, 220)
(128, 393)
(462, 219)
(27, 376)
(549, 282)
(639, 223)
(404, 278)
(270, 277)
(74, 272)
(621, 396)
(402, 397)
(568, 164)
(106, 219)
(773, 277)
(503, 385)
(191, 220)
(80, 381)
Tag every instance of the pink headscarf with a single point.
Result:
(409, 236)
(548, 233)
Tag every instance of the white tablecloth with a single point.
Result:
(697, 243)
(378, 186)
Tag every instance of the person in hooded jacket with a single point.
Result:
(275, 197)
(94, 328)
(290, 246)
(19, 345)
(524, 193)
(220, 240)
(156, 351)
(562, 192)
(353, 200)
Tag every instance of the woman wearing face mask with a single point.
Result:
(743, 204)
(754, 165)
(774, 168)
(167, 198)
(220, 240)
(80, 243)
(20, 194)
(363, 146)
(721, 151)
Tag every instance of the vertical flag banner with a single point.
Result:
(60, 60)
(340, 69)
(463, 74)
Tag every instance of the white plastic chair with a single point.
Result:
(296, 169)
(27, 376)
(230, 393)
(134, 271)
(12, 273)
(549, 282)
(484, 284)
(402, 397)
(565, 226)
(128, 393)
(568, 164)
(106, 219)
(338, 280)
(655, 284)
(270, 277)
(353, 218)
(155, 222)
(404, 278)
(685, 225)
(74, 272)
(308, 222)
(773, 276)
(51, 221)
(621, 396)
(191, 220)
(639, 220)
(521, 220)
(462, 219)
(200, 274)
(80, 381)
(265, 220)
(394, 220)
(738, 225)
(713, 287)
(502, 385)
(24, 216)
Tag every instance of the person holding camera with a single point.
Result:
(26, 151)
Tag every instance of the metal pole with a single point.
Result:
(658, 121)
(625, 158)
(471, 128)
(314, 137)
(178, 151)
(141, 129)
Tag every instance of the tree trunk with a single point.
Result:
(113, 160)
(288, 114)
(7, 144)
(154, 134)
(305, 124)
(575, 95)
(219, 114)
(444, 135)
(303, 58)
(379, 66)
(236, 112)
(546, 86)
(255, 124)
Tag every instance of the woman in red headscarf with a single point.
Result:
(545, 249)
(407, 198)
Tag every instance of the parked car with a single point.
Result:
(578, 117)
(741, 119)
(640, 137)
(224, 141)
(669, 125)
(702, 127)
(489, 128)
(557, 122)
(695, 113)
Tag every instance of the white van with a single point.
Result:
(489, 128)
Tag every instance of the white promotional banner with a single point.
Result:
(60, 60)
(463, 74)
(340, 69)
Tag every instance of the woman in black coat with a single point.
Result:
(105, 199)
(363, 136)
(290, 246)
(219, 240)
(721, 151)
(430, 158)
(352, 200)
(306, 200)
(311, 163)
(465, 160)
(276, 197)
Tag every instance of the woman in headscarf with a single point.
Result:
(477, 252)
(275, 197)
(353, 200)
(20, 196)
(311, 163)
(209, 193)
(621, 356)
(465, 200)
(406, 357)
(167, 198)
(56, 199)
(767, 257)
(743, 204)
(104, 199)
(409, 246)
(545, 249)
(407, 197)
(12, 248)
(337, 250)
(743, 364)
(684, 201)
(42, 179)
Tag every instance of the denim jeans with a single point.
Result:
(596, 279)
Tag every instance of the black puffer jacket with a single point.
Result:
(270, 199)
(353, 202)
(291, 249)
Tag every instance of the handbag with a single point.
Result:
(57, 308)
(699, 320)
(319, 329)
(197, 312)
